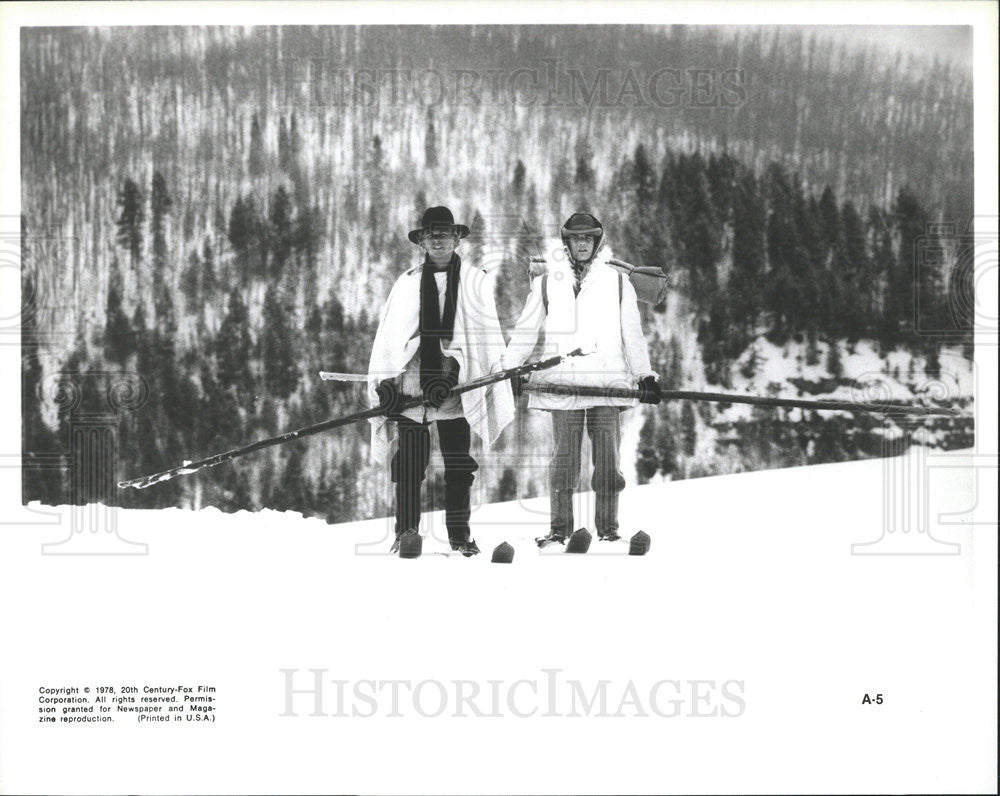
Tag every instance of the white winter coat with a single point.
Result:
(477, 344)
(594, 320)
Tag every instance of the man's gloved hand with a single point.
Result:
(389, 396)
(649, 390)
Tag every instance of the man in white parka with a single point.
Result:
(584, 303)
(438, 330)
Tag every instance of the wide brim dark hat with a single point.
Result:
(437, 219)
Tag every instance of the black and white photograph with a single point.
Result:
(498, 397)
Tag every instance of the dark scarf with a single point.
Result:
(433, 327)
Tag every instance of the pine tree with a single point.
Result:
(860, 284)
(911, 226)
(118, 343)
(293, 492)
(744, 287)
(517, 183)
(666, 444)
(689, 428)
(159, 203)
(584, 180)
(278, 348)
(233, 348)
(507, 488)
(255, 159)
(245, 236)
(191, 283)
(647, 463)
(209, 277)
(834, 362)
(280, 235)
(130, 220)
(284, 147)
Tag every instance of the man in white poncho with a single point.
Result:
(439, 329)
(584, 303)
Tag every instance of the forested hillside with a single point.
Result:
(222, 212)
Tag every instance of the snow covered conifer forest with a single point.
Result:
(222, 212)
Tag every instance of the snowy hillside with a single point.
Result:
(750, 579)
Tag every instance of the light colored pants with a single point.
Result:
(603, 424)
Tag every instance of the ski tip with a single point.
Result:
(503, 553)
(639, 544)
(579, 541)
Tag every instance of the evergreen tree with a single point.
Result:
(517, 184)
(904, 285)
(834, 362)
(666, 444)
(280, 235)
(748, 258)
(284, 146)
(160, 203)
(130, 220)
(507, 488)
(255, 159)
(233, 348)
(191, 283)
(245, 236)
(860, 283)
(278, 348)
(118, 342)
(209, 278)
(647, 463)
(585, 180)
(689, 428)
(293, 492)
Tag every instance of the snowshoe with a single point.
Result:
(639, 544)
(408, 544)
(554, 536)
(467, 549)
(579, 541)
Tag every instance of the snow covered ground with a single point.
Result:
(754, 590)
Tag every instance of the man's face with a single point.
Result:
(440, 245)
(581, 247)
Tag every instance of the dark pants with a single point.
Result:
(603, 424)
(409, 466)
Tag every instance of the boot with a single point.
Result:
(467, 549)
(408, 544)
